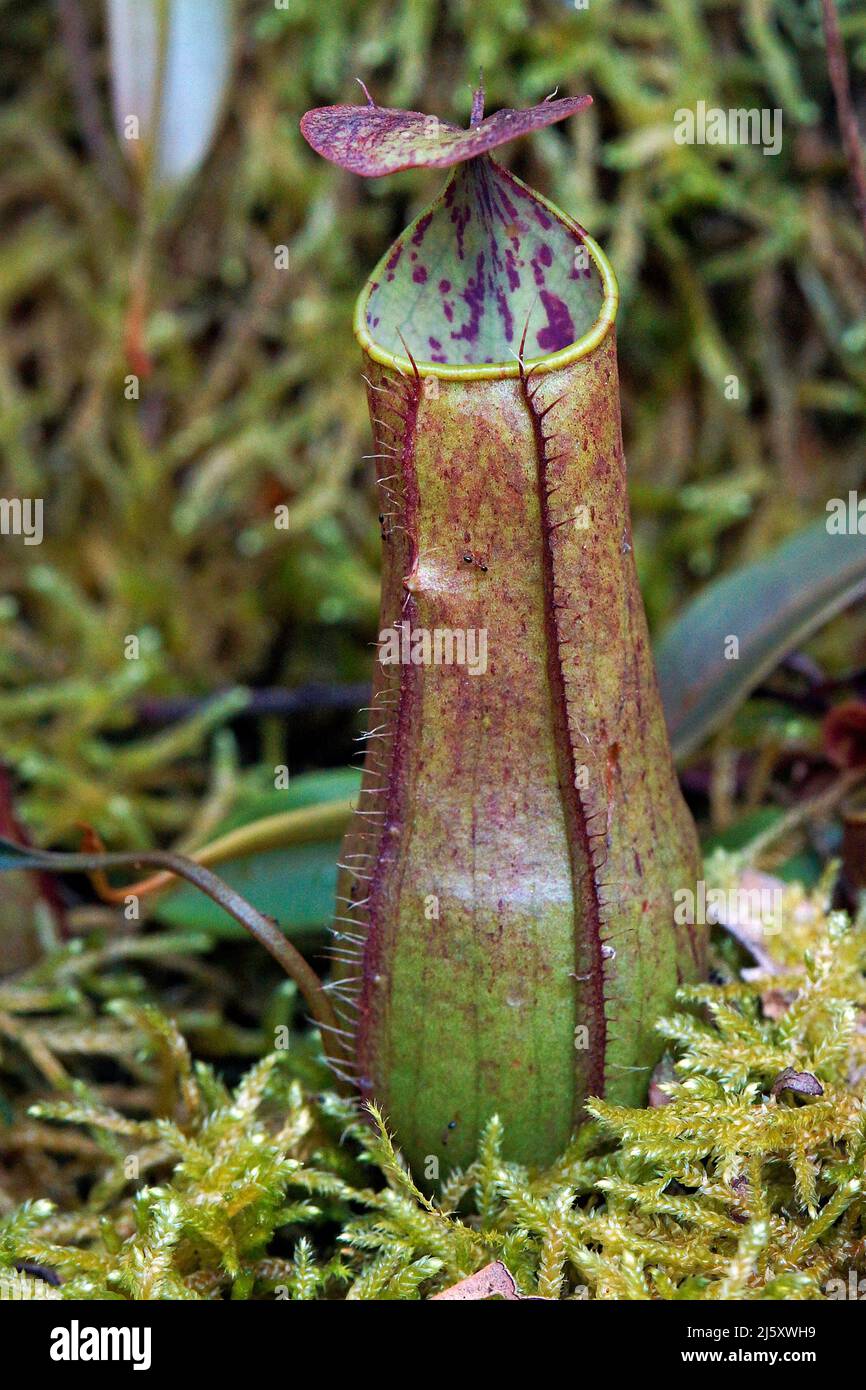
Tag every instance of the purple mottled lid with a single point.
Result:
(374, 140)
(491, 268)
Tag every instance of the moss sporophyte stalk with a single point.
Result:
(505, 929)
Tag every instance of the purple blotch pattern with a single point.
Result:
(486, 258)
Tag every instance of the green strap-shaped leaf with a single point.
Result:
(769, 607)
(295, 882)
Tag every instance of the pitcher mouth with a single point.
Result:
(521, 270)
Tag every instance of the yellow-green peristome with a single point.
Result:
(395, 314)
(506, 933)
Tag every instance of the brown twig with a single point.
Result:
(812, 809)
(837, 66)
(263, 929)
(276, 701)
(100, 146)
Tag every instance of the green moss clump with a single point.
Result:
(735, 1188)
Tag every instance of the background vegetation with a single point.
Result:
(160, 523)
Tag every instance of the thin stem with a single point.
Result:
(83, 80)
(806, 810)
(277, 701)
(837, 66)
(263, 929)
(141, 270)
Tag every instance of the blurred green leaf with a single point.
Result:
(770, 606)
(738, 835)
(295, 885)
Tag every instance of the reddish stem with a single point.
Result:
(837, 65)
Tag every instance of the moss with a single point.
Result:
(733, 1188)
